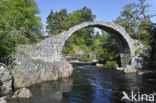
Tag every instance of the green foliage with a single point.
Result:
(128, 18)
(83, 36)
(137, 52)
(111, 64)
(62, 20)
(152, 62)
(18, 25)
(102, 45)
(138, 24)
(18, 17)
(107, 48)
(135, 20)
(7, 46)
(57, 22)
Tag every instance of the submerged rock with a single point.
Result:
(5, 80)
(22, 93)
(99, 65)
(120, 68)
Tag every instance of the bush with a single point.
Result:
(152, 64)
(111, 64)
(7, 46)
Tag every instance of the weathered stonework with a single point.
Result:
(50, 49)
(44, 61)
(29, 71)
(22, 93)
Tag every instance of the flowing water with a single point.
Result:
(91, 84)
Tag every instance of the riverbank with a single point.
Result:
(102, 66)
(90, 83)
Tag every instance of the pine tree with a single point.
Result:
(136, 21)
(57, 22)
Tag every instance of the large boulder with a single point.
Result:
(138, 62)
(5, 80)
(22, 93)
(29, 71)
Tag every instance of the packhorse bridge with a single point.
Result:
(44, 61)
(51, 48)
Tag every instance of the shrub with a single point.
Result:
(7, 46)
(111, 64)
(152, 64)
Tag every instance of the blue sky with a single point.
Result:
(105, 10)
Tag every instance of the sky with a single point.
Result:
(105, 10)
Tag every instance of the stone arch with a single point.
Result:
(45, 60)
(50, 49)
(122, 38)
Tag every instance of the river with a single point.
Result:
(91, 84)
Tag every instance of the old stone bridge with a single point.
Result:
(43, 61)
(50, 49)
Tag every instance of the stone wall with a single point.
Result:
(50, 49)
(127, 46)
(29, 71)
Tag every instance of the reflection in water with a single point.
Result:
(49, 92)
(90, 84)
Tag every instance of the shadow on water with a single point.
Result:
(90, 84)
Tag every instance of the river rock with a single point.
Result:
(99, 65)
(137, 64)
(22, 93)
(129, 69)
(120, 68)
(5, 80)
(29, 71)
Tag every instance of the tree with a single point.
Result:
(27, 20)
(7, 46)
(129, 18)
(82, 38)
(106, 48)
(18, 17)
(62, 20)
(18, 25)
(138, 24)
(152, 62)
(57, 22)
(81, 15)
(136, 21)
